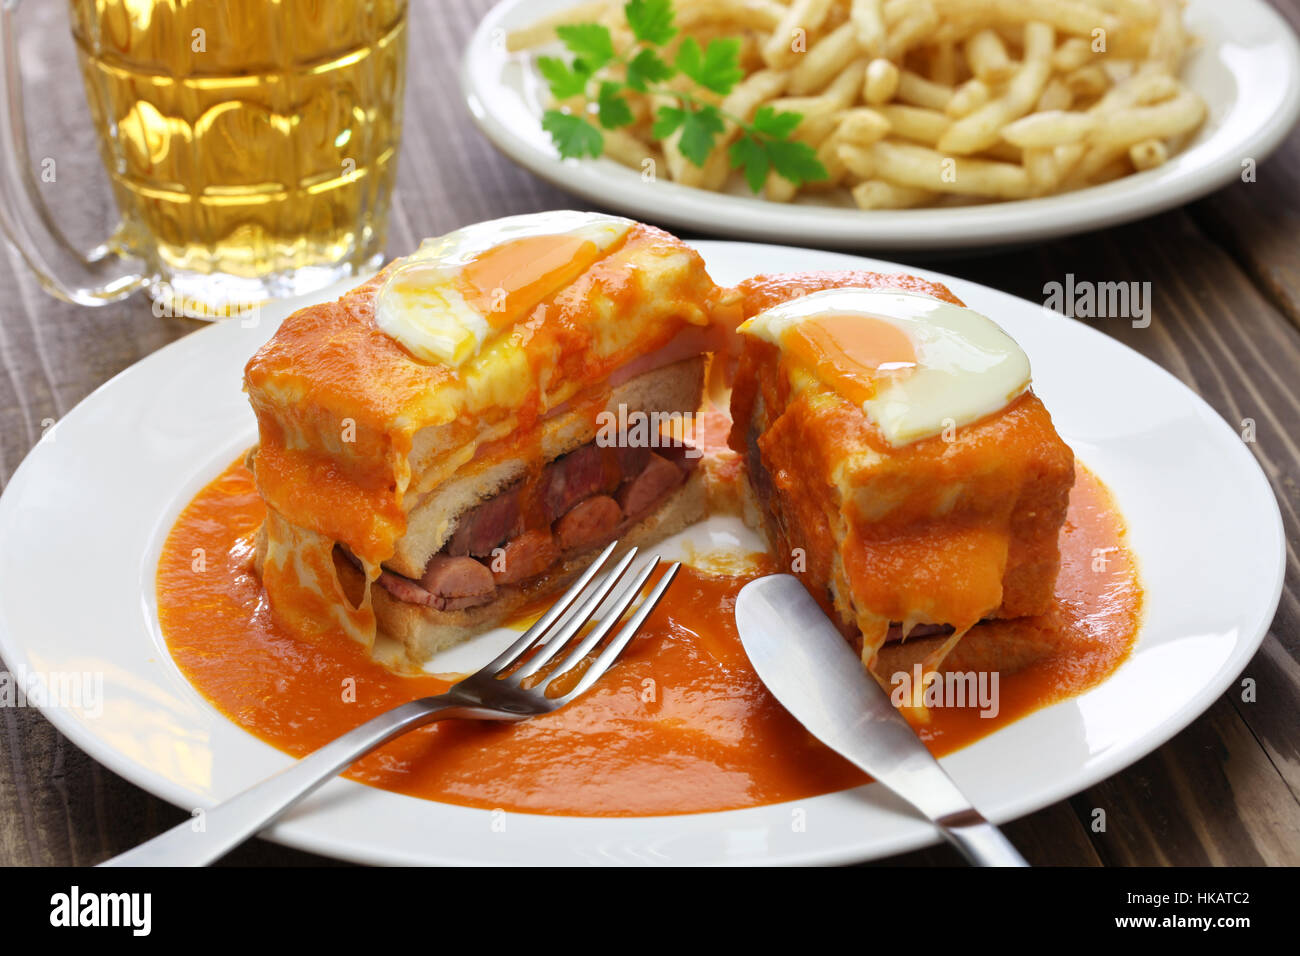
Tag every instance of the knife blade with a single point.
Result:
(810, 668)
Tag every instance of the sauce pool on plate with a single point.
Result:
(681, 724)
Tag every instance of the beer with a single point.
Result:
(251, 144)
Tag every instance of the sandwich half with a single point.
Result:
(454, 440)
(898, 458)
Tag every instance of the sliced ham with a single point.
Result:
(403, 589)
(690, 342)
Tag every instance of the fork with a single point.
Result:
(495, 692)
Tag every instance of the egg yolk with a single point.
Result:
(851, 352)
(507, 280)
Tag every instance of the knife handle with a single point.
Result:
(980, 842)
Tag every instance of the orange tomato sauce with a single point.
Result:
(681, 725)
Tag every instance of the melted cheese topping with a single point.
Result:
(915, 365)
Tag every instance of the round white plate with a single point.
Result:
(85, 515)
(1247, 69)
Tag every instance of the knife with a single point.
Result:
(810, 668)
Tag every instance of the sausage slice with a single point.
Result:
(590, 523)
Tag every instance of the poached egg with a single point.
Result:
(443, 302)
(915, 365)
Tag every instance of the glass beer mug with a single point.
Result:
(251, 146)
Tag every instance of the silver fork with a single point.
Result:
(496, 692)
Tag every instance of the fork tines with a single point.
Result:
(556, 629)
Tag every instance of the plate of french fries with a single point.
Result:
(922, 124)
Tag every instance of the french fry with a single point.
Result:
(776, 189)
(862, 126)
(967, 98)
(1168, 42)
(983, 128)
(1041, 168)
(1138, 90)
(881, 82)
(988, 59)
(1090, 80)
(625, 148)
(1147, 154)
(924, 168)
(825, 61)
(877, 194)
(916, 90)
(753, 91)
(916, 123)
(857, 160)
(801, 18)
(1073, 53)
(1159, 121)
(912, 29)
(1050, 128)
(1056, 96)
(868, 19)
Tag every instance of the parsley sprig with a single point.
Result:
(603, 77)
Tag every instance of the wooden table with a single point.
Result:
(1225, 275)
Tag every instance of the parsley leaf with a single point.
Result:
(776, 125)
(563, 81)
(666, 121)
(589, 42)
(763, 147)
(750, 157)
(756, 155)
(700, 130)
(572, 135)
(613, 109)
(651, 20)
(794, 161)
(646, 68)
(716, 68)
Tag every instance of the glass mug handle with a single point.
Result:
(102, 277)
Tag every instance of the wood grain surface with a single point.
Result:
(1225, 275)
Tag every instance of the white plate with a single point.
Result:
(84, 517)
(1247, 69)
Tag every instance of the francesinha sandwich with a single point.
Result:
(899, 460)
(455, 439)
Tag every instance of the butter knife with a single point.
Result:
(811, 669)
